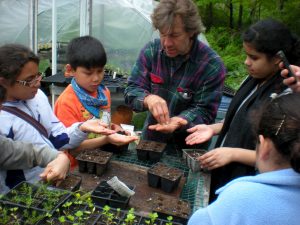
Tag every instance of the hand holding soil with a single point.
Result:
(96, 126)
(175, 123)
(120, 139)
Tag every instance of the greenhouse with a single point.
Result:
(121, 112)
(123, 26)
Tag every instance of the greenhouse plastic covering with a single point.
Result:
(123, 26)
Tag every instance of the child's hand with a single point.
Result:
(116, 127)
(119, 139)
(199, 134)
(119, 129)
(96, 126)
(57, 169)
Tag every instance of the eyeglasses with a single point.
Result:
(31, 83)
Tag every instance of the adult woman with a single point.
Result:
(273, 196)
(231, 159)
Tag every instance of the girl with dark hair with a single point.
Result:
(234, 155)
(271, 197)
(27, 116)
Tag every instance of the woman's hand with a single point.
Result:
(199, 134)
(216, 158)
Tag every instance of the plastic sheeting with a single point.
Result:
(123, 26)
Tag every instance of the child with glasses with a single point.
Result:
(86, 97)
(20, 155)
(32, 119)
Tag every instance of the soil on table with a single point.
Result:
(168, 205)
(96, 156)
(133, 175)
(71, 182)
(151, 146)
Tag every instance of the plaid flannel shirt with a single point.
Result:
(191, 85)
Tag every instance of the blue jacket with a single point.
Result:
(270, 198)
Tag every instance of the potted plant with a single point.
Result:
(131, 218)
(38, 197)
(109, 216)
(79, 209)
(10, 215)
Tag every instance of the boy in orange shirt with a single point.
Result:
(86, 98)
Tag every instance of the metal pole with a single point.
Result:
(32, 21)
(85, 17)
(54, 38)
(54, 44)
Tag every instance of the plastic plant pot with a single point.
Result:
(71, 183)
(42, 198)
(154, 156)
(101, 199)
(150, 150)
(96, 161)
(142, 154)
(153, 180)
(91, 167)
(190, 156)
(168, 185)
(171, 179)
(103, 195)
(82, 166)
(100, 169)
(164, 177)
(166, 205)
(118, 201)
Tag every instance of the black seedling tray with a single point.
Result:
(103, 195)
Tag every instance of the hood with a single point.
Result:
(285, 177)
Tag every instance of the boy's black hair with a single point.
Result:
(87, 52)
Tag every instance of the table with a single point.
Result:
(194, 187)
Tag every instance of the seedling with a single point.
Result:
(170, 219)
(130, 217)
(152, 217)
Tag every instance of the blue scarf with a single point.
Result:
(90, 103)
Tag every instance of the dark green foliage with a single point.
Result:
(228, 45)
(226, 42)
